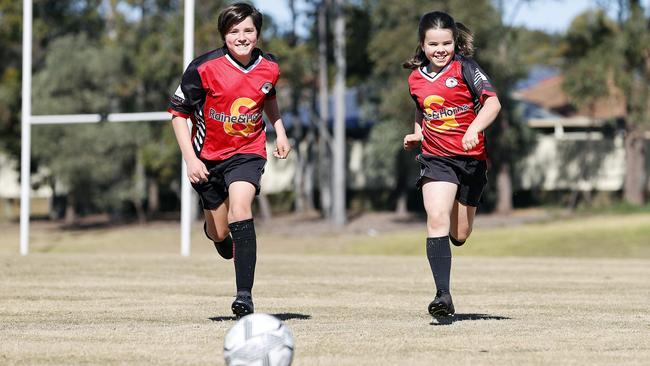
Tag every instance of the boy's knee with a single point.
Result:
(239, 213)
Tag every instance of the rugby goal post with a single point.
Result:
(27, 120)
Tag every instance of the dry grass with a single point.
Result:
(344, 310)
(123, 295)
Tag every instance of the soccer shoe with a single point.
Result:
(442, 305)
(242, 306)
(224, 248)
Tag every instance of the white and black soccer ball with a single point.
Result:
(258, 339)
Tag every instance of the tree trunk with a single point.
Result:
(265, 207)
(153, 196)
(308, 174)
(504, 189)
(634, 187)
(298, 177)
(324, 140)
(138, 190)
(70, 210)
(402, 161)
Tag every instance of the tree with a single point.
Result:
(93, 163)
(602, 53)
(10, 64)
(508, 138)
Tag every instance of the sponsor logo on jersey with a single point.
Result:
(266, 88)
(238, 122)
(442, 119)
(178, 98)
(451, 82)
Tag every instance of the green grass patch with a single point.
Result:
(609, 236)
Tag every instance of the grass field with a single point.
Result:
(125, 296)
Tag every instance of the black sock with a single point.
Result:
(245, 253)
(439, 255)
(455, 241)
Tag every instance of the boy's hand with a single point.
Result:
(196, 171)
(282, 147)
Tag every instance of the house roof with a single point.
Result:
(549, 94)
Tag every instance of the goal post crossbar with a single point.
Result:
(27, 120)
(97, 118)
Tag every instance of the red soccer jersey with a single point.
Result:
(449, 102)
(225, 100)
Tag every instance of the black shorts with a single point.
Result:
(239, 167)
(468, 173)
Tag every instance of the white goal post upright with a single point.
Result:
(27, 120)
(26, 131)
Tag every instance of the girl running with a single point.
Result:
(455, 102)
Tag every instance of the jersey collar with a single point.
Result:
(256, 58)
(427, 76)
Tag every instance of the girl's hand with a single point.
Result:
(470, 139)
(412, 140)
(282, 147)
(196, 171)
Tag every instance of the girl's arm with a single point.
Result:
(196, 170)
(272, 111)
(485, 117)
(413, 139)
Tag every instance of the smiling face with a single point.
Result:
(438, 46)
(241, 39)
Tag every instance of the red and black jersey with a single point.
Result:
(225, 100)
(449, 101)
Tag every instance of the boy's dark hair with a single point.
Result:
(235, 14)
(463, 37)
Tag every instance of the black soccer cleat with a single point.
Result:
(442, 305)
(224, 248)
(242, 306)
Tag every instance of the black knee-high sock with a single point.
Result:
(245, 253)
(439, 254)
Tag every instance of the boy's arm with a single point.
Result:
(272, 111)
(196, 170)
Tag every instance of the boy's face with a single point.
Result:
(438, 46)
(241, 39)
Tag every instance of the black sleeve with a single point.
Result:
(189, 94)
(477, 81)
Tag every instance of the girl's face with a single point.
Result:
(438, 46)
(241, 39)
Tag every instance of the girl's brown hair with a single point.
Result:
(463, 37)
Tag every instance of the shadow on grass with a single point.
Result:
(281, 316)
(447, 320)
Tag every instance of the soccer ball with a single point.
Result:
(258, 339)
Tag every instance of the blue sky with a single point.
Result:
(547, 15)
